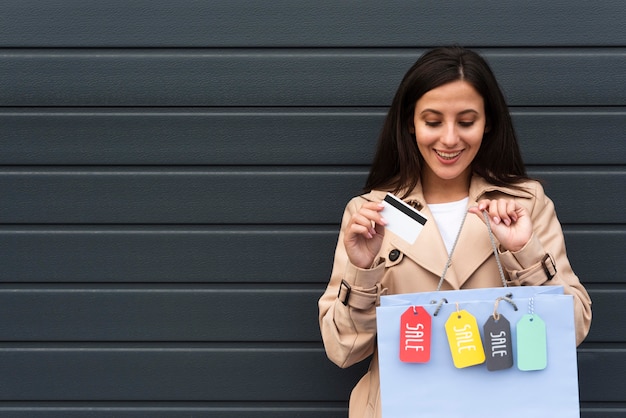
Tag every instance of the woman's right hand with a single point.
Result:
(364, 233)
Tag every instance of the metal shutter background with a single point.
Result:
(172, 177)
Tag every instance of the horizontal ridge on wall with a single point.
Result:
(188, 254)
(223, 409)
(75, 77)
(216, 375)
(228, 314)
(323, 23)
(272, 136)
(293, 195)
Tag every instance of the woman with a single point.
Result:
(447, 147)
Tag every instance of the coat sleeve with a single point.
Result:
(348, 318)
(543, 261)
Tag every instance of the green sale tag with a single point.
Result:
(532, 350)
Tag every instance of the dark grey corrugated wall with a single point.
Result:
(172, 176)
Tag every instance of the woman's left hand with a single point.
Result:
(510, 222)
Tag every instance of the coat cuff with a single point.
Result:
(360, 288)
(530, 266)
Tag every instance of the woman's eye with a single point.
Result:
(466, 124)
(432, 123)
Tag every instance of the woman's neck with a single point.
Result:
(438, 190)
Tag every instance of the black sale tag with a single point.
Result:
(498, 346)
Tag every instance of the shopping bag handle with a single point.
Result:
(493, 244)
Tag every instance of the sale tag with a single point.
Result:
(498, 346)
(464, 340)
(415, 331)
(532, 349)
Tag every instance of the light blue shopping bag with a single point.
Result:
(439, 389)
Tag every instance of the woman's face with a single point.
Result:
(449, 123)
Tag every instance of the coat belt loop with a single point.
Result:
(549, 267)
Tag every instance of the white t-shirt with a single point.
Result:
(448, 217)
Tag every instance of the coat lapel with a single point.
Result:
(473, 247)
(428, 250)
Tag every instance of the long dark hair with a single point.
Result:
(397, 164)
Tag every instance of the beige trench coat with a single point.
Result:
(349, 330)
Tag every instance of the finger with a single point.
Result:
(363, 220)
(512, 210)
(508, 211)
(503, 213)
(357, 231)
(377, 207)
(480, 208)
(492, 211)
(477, 209)
(370, 219)
(379, 229)
(373, 213)
(374, 217)
(482, 205)
(361, 231)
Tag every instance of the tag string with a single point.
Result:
(456, 240)
(506, 298)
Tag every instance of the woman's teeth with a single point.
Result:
(448, 155)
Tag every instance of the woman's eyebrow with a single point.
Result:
(463, 112)
(431, 111)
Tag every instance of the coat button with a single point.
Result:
(394, 254)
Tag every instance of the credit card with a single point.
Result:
(403, 220)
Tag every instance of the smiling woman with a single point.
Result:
(449, 125)
(447, 147)
(440, 77)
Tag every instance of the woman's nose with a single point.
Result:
(450, 136)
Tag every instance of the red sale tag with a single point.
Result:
(415, 327)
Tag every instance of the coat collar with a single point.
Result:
(429, 250)
(478, 188)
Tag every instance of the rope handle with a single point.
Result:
(493, 244)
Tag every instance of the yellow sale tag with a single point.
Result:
(464, 339)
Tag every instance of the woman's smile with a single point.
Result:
(449, 124)
(448, 157)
